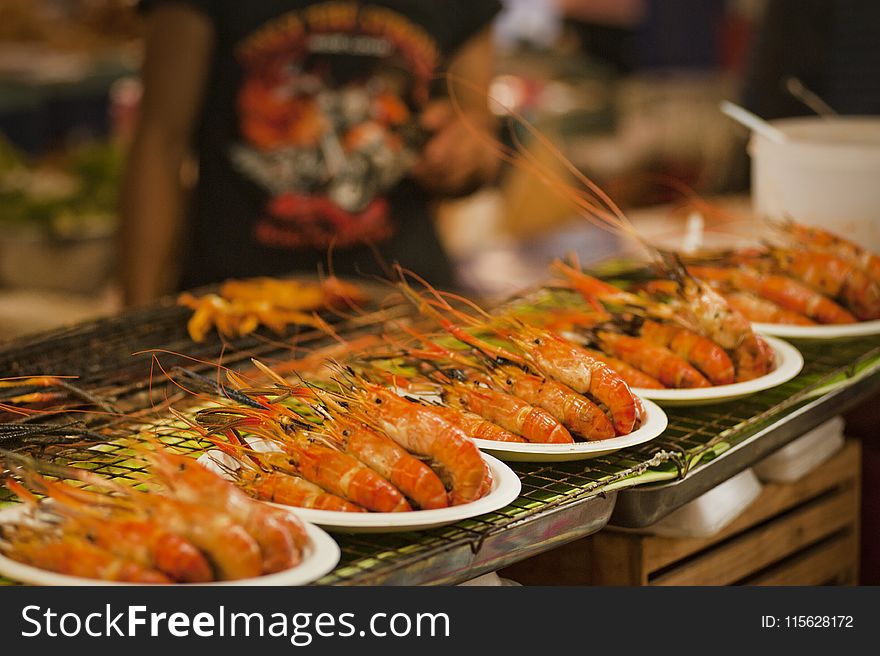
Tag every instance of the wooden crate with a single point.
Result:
(801, 533)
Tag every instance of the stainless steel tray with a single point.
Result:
(470, 556)
(641, 506)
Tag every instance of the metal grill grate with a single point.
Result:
(101, 351)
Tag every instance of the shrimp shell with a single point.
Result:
(512, 413)
(384, 456)
(575, 411)
(707, 356)
(290, 490)
(421, 431)
(475, 426)
(656, 361)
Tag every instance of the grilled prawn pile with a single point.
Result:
(677, 332)
(198, 528)
(812, 277)
(388, 427)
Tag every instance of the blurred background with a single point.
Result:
(627, 89)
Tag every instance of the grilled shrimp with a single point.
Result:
(572, 365)
(707, 309)
(279, 534)
(344, 476)
(544, 352)
(833, 276)
(785, 292)
(657, 361)
(755, 308)
(290, 490)
(693, 305)
(475, 426)
(419, 430)
(510, 412)
(575, 411)
(233, 553)
(383, 455)
(703, 353)
(633, 377)
(816, 239)
(77, 556)
(120, 531)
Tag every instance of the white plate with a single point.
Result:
(789, 363)
(505, 488)
(826, 331)
(653, 426)
(320, 557)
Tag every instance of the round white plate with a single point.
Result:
(826, 331)
(320, 557)
(653, 426)
(789, 363)
(505, 488)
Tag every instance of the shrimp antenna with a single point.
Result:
(601, 210)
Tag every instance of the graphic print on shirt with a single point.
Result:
(327, 118)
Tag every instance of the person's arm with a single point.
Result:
(455, 160)
(179, 43)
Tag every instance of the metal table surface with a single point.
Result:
(641, 506)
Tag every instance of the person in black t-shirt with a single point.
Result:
(315, 125)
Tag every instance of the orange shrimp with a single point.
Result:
(784, 291)
(122, 534)
(816, 239)
(77, 556)
(233, 553)
(475, 426)
(547, 353)
(308, 454)
(279, 534)
(151, 546)
(410, 475)
(290, 490)
(572, 365)
(709, 312)
(834, 277)
(632, 376)
(231, 549)
(656, 361)
(423, 432)
(755, 308)
(575, 411)
(703, 353)
(510, 412)
(695, 306)
(343, 475)
(591, 289)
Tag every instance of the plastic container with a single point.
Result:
(711, 512)
(826, 174)
(799, 458)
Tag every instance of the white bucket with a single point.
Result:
(827, 174)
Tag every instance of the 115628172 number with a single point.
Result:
(818, 621)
